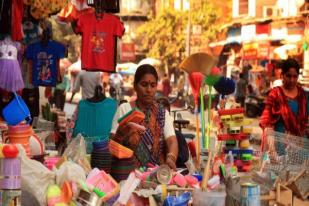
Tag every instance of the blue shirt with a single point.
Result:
(45, 62)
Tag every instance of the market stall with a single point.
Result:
(49, 160)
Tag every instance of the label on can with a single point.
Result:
(250, 194)
(11, 197)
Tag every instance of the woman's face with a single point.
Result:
(146, 89)
(290, 79)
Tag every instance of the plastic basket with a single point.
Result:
(119, 151)
(89, 142)
(105, 183)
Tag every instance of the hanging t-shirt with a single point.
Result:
(98, 41)
(45, 61)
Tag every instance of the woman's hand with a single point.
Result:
(171, 163)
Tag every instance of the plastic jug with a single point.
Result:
(16, 111)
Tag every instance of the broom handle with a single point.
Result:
(198, 142)
(206, 171)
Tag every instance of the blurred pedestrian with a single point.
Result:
(286, 108)
(166, 86)
(116, 83)
(241, 90)
(87, 81)
(59, 94)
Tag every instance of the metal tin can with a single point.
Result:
(85, 198)
(164, 174)
(250, 194)
(10, 171)
(11, 197)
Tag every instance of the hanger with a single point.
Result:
(46, 33)
(99, 8)
(98, 95)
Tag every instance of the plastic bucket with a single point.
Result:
(16, 111)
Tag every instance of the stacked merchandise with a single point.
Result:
(100, 156)
(236, 137)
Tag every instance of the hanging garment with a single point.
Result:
(17, 17)
(10, 73)
(98, 41)
(31, 32)
(5, 16)
(95, 119)
(45, 62)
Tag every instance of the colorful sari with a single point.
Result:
(148, 146)
(277, 109)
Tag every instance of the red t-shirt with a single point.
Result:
(98, 41)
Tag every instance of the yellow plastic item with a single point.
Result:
(119, 151)
(244, 144)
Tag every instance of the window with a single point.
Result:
(243, 7)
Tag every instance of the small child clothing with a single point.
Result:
(98, 41)
(45, 62)
(10, 72)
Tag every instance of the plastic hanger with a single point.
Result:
(98, 95)
(99, 9)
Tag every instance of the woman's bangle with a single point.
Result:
(172, 156)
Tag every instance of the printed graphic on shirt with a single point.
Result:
(43, 67)
(97, 42)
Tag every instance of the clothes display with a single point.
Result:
(45, 62)
(11, 13)
(10, 71)
(5, 16)
(31, 32)
(89, 118)
(98, 40)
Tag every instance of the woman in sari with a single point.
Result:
(157, 144)
(286, 107)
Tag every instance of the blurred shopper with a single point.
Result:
(116, 83)
(286, 108)
(166, 86)
(241, 90)
(87, 81)
(74, 70)
(63, 87)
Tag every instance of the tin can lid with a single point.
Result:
(249, 184)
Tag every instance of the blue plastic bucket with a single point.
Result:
(16, 111)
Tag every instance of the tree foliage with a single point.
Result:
(164, 36)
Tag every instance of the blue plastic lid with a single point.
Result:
(198, 176)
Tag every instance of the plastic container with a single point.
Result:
(208, 198)
(105, 183)
(90, 140)
(119, 151)
(51, 162)
(16, 111)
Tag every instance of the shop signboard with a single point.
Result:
(127, 52)
(263, 50)
(278, 31)
(250, 50)
(297, 28)
(248, 32)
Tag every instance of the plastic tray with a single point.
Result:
(119, 151)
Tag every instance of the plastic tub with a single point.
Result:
(16, 111)
(105, 183)
(51, 162)
(208, 198)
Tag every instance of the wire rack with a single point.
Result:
(286, 153)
